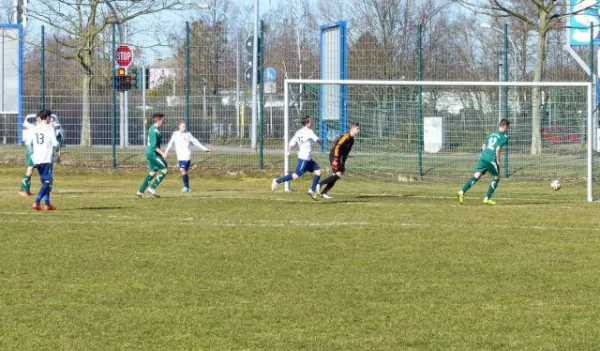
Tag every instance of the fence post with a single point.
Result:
(261, 45)
(114, 102)
(505, 73)
(187, 75)
(420, 105)
(43, 71)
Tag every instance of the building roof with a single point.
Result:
(170, 62)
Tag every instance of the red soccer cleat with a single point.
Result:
(36, 207)
(49, 208)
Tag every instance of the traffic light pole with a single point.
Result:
(254, 79)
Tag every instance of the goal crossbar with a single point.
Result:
(587, 85)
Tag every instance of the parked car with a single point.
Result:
(29, 123)
(560, 135)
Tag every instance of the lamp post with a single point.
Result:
(512, 43)
(205, 6)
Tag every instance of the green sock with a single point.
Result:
(469, 184)
(158, 179)
(146, 182)
(492, 187)
(26, 183)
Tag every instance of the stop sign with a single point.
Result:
(124, 56)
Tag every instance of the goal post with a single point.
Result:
(455, 117)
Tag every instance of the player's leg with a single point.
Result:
(161, 174)
(480, 169)
(329, 182)
(45, 170)
(493, 169)
(300, 169)
(26, 181)
(153, 169)
(183, 169)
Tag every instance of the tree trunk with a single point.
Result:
(536, 139)
(86, 137)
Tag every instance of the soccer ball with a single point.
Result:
(555, 185)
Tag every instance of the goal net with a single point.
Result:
(431, 130)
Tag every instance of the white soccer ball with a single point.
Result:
(555, 185)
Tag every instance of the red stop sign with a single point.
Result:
(124, 56)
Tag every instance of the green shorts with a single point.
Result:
(484, 166)
(156, 162)
(29, 160)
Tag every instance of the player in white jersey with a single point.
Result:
(183, 141)
(305, 138)
(41, 144)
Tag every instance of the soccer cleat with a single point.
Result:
(461, 197)
(274, 185)
(325, 196)
(319, 189)
(139, 194)
(489, 202)
(153, 192)
(312, 194)
(36, 207)
(25, 193)
(49, 208)
(185, 189)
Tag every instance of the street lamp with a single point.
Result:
(204, 6)
(512, 43)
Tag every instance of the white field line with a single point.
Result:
(52, 218)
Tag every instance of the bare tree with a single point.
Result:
(82, 22)
(543, 16)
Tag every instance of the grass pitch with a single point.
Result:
(233, 266)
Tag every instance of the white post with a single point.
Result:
(144, 105)
(499, 92)
(237, 84)
(121, 120)
(254, 80)
(286, 130)
(590, 164)
(126, 122)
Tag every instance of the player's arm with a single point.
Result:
(498, 153)
(292, 143)
(483, 147)
(199, 145)
(338, 147)
(55, 145)
(170, 144)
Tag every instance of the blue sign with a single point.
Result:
(585, 15)
(270, 75)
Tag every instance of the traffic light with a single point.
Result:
(137, 78)
(249, 61)
(123, 81)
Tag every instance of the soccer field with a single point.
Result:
(232, 266)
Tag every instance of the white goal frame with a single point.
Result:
(588, 85)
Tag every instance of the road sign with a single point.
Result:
(270, 87)
(124, 56)
(270, 74)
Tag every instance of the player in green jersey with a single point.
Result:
(157, 158)
(488, 162)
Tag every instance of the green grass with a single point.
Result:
(232, 266)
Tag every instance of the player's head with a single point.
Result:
(158, 119)
(306, 121)
(181, 125)
(44, 115)
(504, 123)
(354, 129)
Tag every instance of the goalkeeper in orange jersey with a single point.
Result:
(337, 157)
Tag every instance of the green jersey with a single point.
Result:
(492, 142)
(154, 140)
